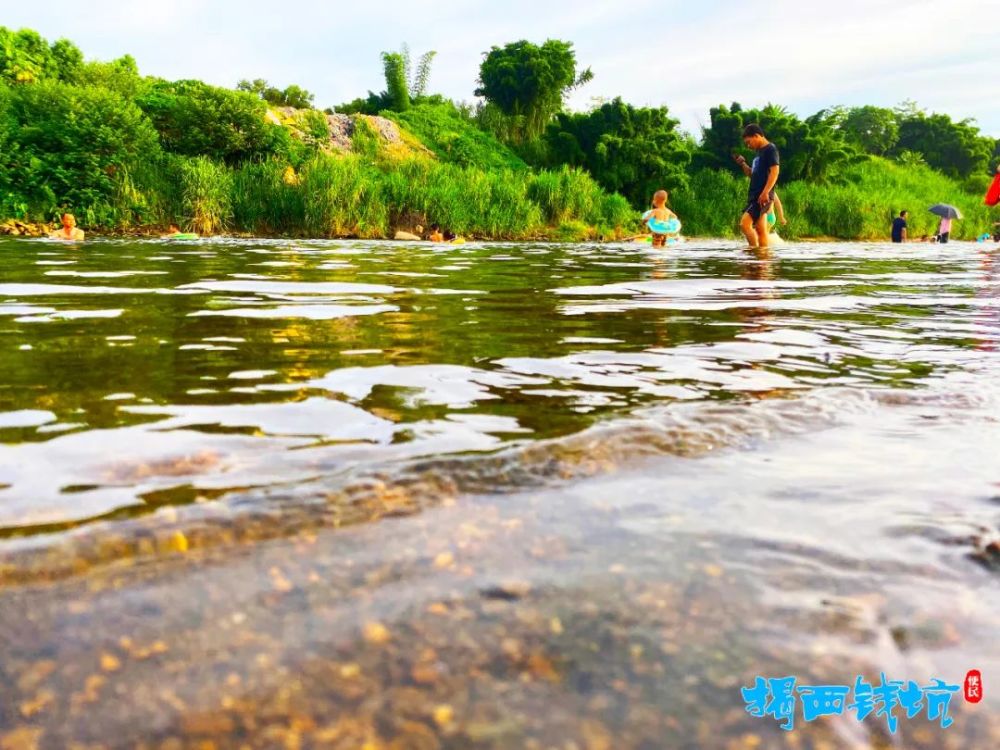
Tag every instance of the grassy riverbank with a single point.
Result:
(354, 195)
(128, 153)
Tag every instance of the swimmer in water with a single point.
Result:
(69, 232)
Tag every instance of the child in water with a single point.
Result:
(662, 222)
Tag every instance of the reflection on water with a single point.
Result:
(490, 496)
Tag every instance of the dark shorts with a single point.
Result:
(756, 210)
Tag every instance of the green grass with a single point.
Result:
(340, 197)
(262, 202)
(206, 195)
(455, 139)
(353, 196)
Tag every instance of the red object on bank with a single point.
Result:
(993, 194)
(973, 686)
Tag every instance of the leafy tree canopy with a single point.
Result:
(955, 148)
(530, 83)
(25, 57)
(629, 150)
(874, 130)
(811, 149)
(291, 96)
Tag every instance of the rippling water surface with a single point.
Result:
(346, 494)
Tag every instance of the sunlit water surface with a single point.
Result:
(347, 494)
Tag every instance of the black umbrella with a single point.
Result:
(946, 211)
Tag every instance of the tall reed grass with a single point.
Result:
(265, 201)
(206, 195)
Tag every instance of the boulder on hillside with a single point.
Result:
(340, 128)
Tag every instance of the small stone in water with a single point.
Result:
(376, 633)
(444, 715)
(444, 560)
(110, 663)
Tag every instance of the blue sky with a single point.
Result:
(687, 55)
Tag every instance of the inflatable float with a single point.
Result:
(657, 226)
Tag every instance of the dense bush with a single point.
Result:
(75, 146)
(196, 119)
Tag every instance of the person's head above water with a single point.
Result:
(174, 229)
(753, 136)
(660, 198)
(68, 221)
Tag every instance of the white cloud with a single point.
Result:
(689, 56)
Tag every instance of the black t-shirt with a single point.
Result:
(898, 225)
(767, 157)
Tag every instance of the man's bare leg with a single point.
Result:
(746, 224)
(763, 231)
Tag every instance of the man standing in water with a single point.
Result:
(763, 178)
(899, 227)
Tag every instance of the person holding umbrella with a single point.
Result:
(947, 212)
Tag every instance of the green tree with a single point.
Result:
(292, 96)
(196, 119)
(121, 76)
(811, 149)
(257, 86)
(25, 57)
(875, 130)
(529, 83)
(404, 86)
(416, 81)
(298, 97)
(397, 88)
(67, 60)
(954, 148)
(628, 150)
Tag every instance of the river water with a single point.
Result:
(385, 496)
